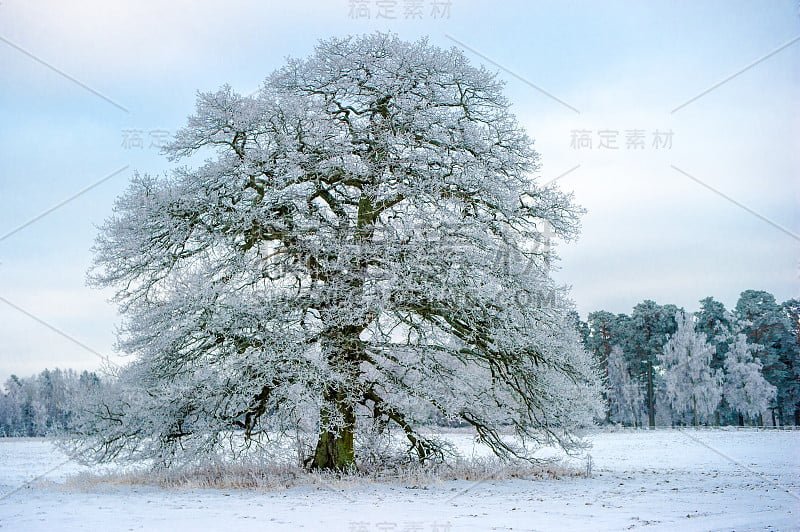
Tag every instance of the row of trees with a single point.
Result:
(38, 405)
(665, 366)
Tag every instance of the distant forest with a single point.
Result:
(42, 404)
(663, 366)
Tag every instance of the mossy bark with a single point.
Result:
(335, 449)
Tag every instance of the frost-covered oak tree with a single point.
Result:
(330, 269)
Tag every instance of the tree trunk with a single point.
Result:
(651, 407)
(335, 449)
(334, 452)
(633, 417)
(694, 408)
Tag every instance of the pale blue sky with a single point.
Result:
(650, 231)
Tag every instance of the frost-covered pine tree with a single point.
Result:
(745, 388)
(691, 386)
(626, 398)
(329, 269)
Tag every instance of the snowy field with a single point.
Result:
(660, 480)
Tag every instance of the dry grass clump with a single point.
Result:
(267, 475)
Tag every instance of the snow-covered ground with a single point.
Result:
(656, 480)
